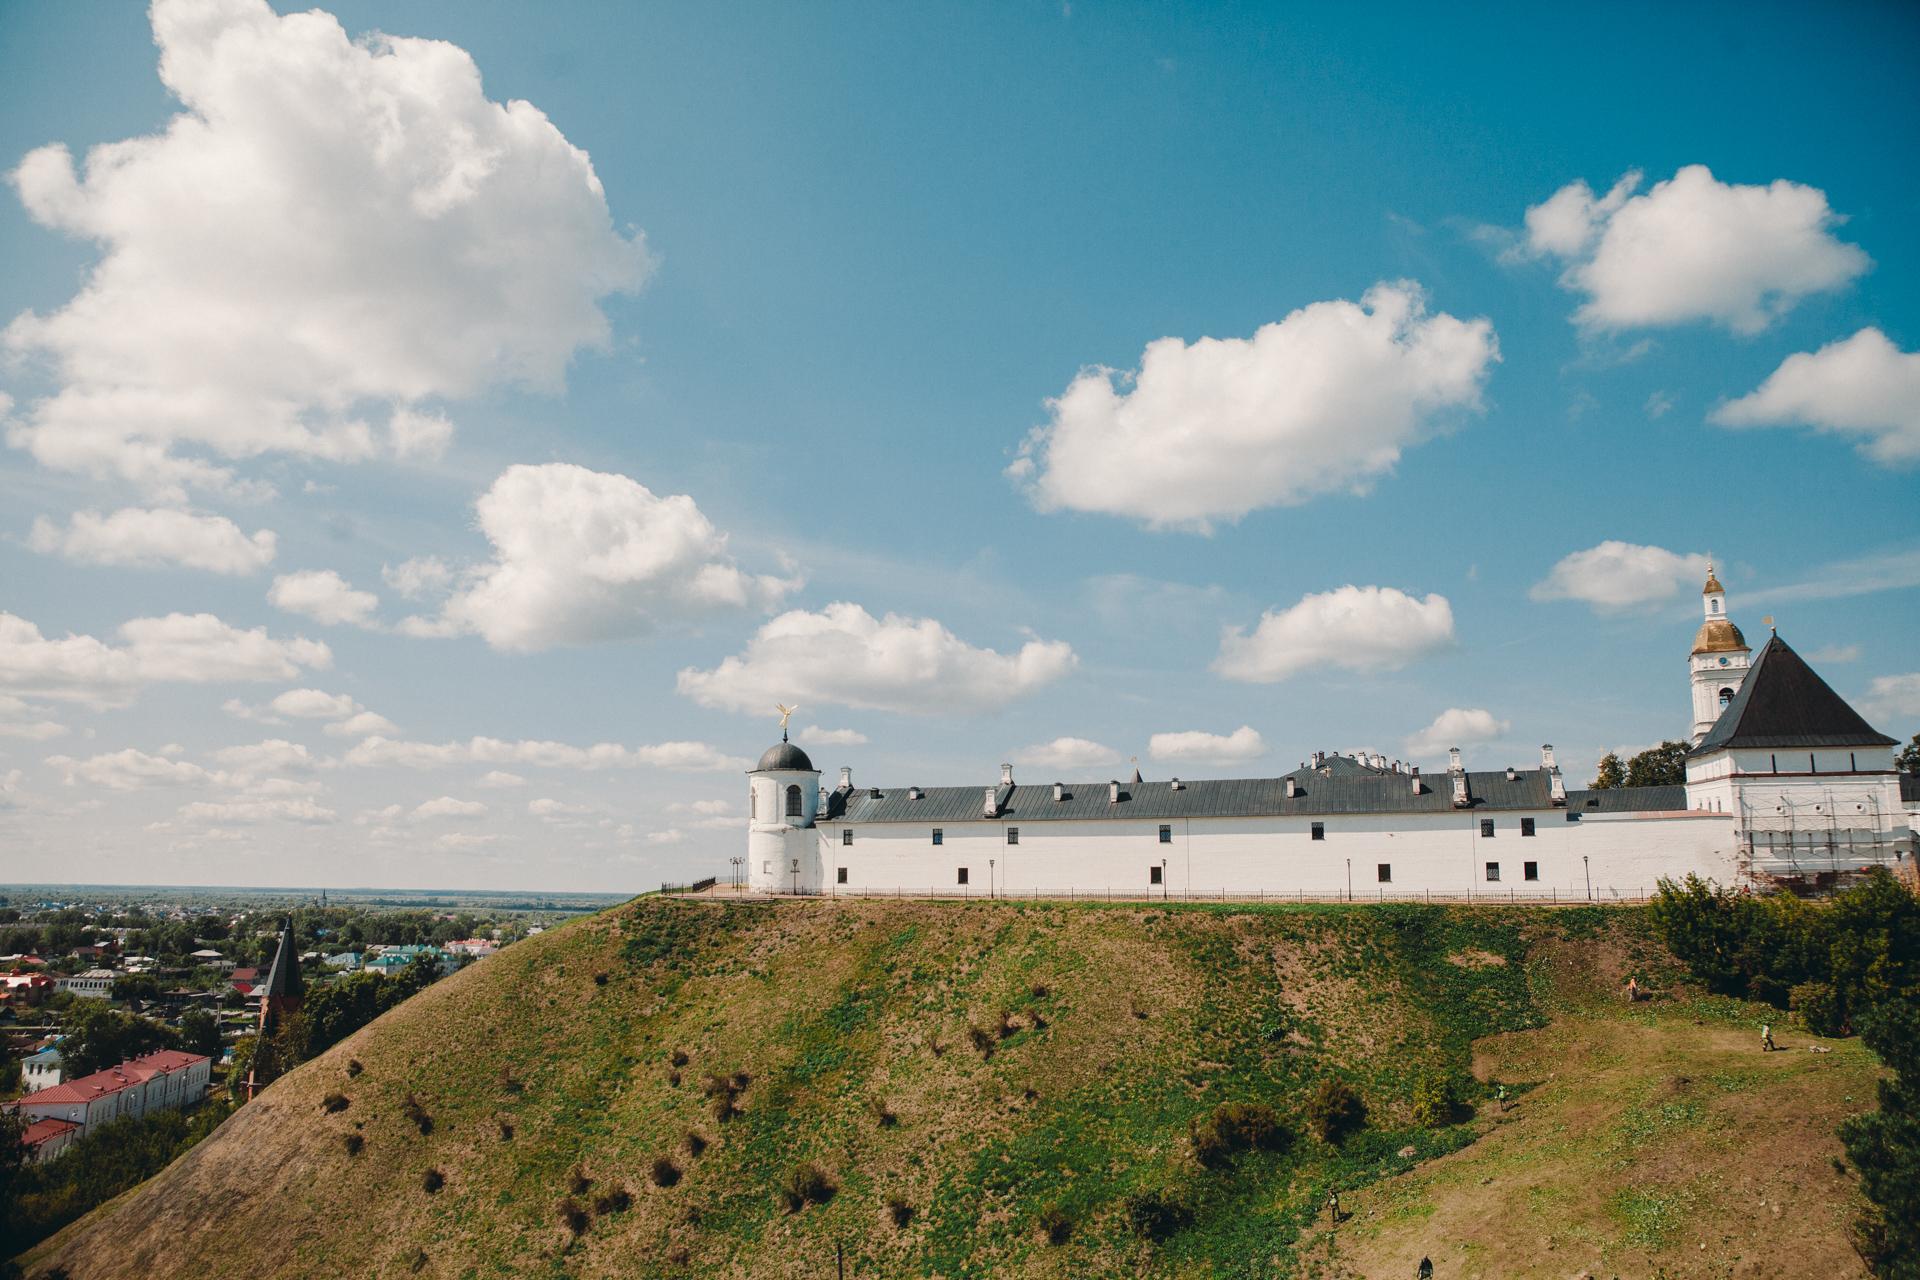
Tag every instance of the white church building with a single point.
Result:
(1786, 785)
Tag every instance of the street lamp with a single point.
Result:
(1163, 879)
(1589, 874)
(990, 863)
(1349, 879)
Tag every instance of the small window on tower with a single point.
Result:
(794, 804)
(846, 835)
(1726, 696)
(1526, 826)
(1166, 833)
(939, 836)
(1319, 831)
(1013, 835)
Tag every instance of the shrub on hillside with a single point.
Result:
(1884, 1145)
(617, 1200)
(1056, 1225)
(696, 1143)
(899, 1212)
(433, 1181)
(417, 1115)
(1157, 1215)
(573, 1216)
(1818, 1007)
(334, 1103)
(723, 1094)
(882, 1113)
(1335, 1110)
(807, 1184)
(665, 1173)
(1233, 1128)
(982, 1041)
(353, 1143)
(1434, 1102)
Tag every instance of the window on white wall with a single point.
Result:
(1493, 871)
(963, 876)
(1166, 834)
(753, 804)
(1013, 835)
(939, 836)
(841, 877)
(766, 868)
(1154, 875)
(1486, 828)
(1385, 873)
(1530, 870)
(1526, 826)
(1319, 831)
(795, 807)
(846, 835)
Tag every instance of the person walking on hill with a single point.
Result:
(1766, 1038)
(1426, 1270)
(1633, 990)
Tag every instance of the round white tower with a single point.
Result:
(1720, 658)
(783, 798)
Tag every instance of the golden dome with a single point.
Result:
(1717, 635)
(1713, 586)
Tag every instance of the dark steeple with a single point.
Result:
(1783, 703)
(283, 979)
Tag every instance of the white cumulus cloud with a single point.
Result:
(498, 779)
(844, 655)
(1863, 387)
(816, 736)
(581, 556)
(691, 756)
(1692, 248)
(1457, 727)
(330, 232)
(1199, 747)
(143, 538)
(1066, 753)
(131, 769)
(1895, 696)
(1622, 575)
(180, 647)
(20, 720)
(324, 596)
(449, 807)
(1324, 400)
(1355, 628)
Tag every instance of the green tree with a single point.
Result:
(1661, 766)
(1885, 1145)
(136, 986)
(100, 1037)
(1908, 761)
(1612, 775)
(200, 1033)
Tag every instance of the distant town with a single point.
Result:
(134, 1019)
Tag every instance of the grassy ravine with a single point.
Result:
(836, 1011)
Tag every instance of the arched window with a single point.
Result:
(1726, 696)
(753, 803)
(793, 802)
(1714, 605)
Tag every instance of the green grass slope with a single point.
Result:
(983, 1071)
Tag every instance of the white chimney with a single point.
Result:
(991, 809)
(1059, 791)
(913, 793)
(846, 777)
(1413, 770)
(1318, 757)
(1292, 787)
(1113, 792)
(1178, 785)
(1546, 756)
(1512, 773)
(1453, 759)
(1006, 775)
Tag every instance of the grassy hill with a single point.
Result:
(974, 1082)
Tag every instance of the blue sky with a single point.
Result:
(848, 259)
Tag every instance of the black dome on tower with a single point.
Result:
(784, 755)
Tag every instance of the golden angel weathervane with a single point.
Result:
(786, 714)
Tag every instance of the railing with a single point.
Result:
(1491, 897)
(698, 886)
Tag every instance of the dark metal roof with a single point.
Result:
(1628, 800)
(284, 978)
(1315, 795)
(1783, 703)
(784, 755)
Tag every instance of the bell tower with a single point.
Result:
(1719, 660)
